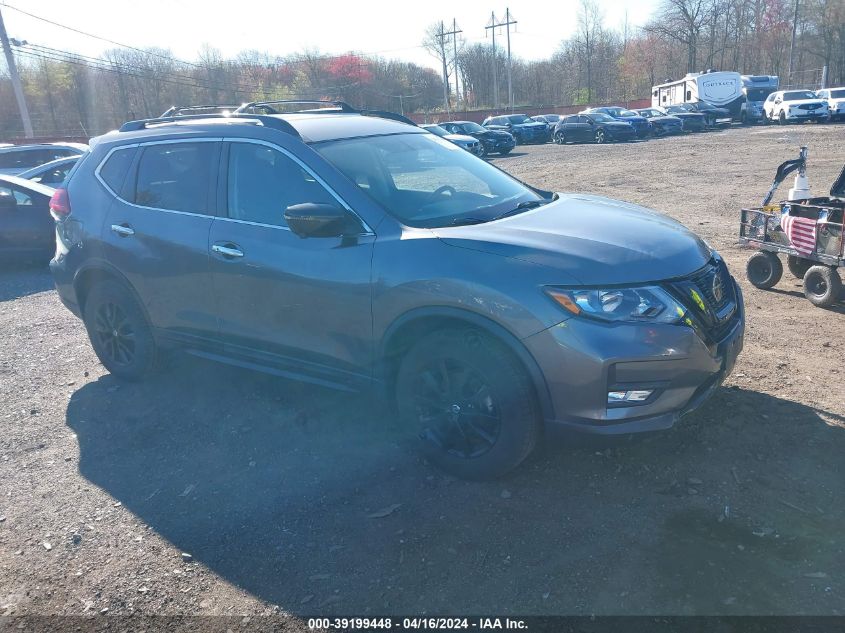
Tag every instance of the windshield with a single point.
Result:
(471, 128)
(519, 118)
(798, 95)
(627, 114)
(436, 129)
(758, 94)
(837, 94)
(424, 181)
(600, 117)
(676, 109)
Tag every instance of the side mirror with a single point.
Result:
(8, 202)
(312, 219)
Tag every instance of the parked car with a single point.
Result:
(788, 106)
(713, 117)
(835, 98)
(51, 174)
(551, 119)
(492, 141)
(469, 143)
(19, 158)
(27, 231)
(660, 123)
(691, 121)
(639, 123)
(523, 128)
(593, 127)
(356, 251)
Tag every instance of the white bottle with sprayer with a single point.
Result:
(801, 187)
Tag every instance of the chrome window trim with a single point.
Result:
(306, 169)
(144, 144)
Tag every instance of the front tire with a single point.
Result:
(119, 332)
(560, 138)
(764, 270)
(782, 118)
(822, 286)
(470, 403)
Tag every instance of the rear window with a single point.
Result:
(113, 171)
(175, 176)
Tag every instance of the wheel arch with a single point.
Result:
(408, 328)
(97, 271)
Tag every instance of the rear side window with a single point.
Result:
(113, 171)
(264, 182)
(175, 176)
(23, 159)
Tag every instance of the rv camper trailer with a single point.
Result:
(719, 88)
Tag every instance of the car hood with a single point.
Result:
(460, 138)
(669, 118)
(492, 134)
(594, 240)
(687, 115)
(531, 125)
(805, 102)
(617, 124)
(632, 119)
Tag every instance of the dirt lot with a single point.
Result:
(274, 489)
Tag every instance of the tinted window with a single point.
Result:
(263, 182)
(53, 176)
(175, 176)
(114, 169)
(23, 198)
(23, 159)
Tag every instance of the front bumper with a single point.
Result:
(807, 115)
(583, 359)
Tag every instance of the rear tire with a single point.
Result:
(822, 286)
(798, 266)
(600, 137)
(764, 270)
(470, 403)
(119, 332)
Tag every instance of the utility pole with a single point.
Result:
(508, 23)
(455, 32)
(445, 74)
(442, 35)
(16, 80)
(493, 25)
(792, 45)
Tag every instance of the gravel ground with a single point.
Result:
(211, 491)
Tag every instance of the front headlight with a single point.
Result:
(649, 304)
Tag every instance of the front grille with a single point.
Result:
(809, 106)
(710, 298)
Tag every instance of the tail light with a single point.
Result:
(60, 204)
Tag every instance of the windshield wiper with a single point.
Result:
(522, 206)
(465, 221)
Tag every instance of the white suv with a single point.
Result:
(835, 99)
(794, 105)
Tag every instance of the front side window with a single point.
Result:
(425, 181)
(837, 94)
(21, 197)
(263, 182)
(175, 176)
(22, 159)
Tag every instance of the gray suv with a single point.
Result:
(353, 250)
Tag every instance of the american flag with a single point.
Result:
(800, 231)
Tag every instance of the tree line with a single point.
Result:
(76, 95)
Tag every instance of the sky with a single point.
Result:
(387, 28)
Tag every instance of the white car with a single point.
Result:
(786, 106)
(20, 158)
(835, 98)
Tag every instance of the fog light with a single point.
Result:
(640, 395)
